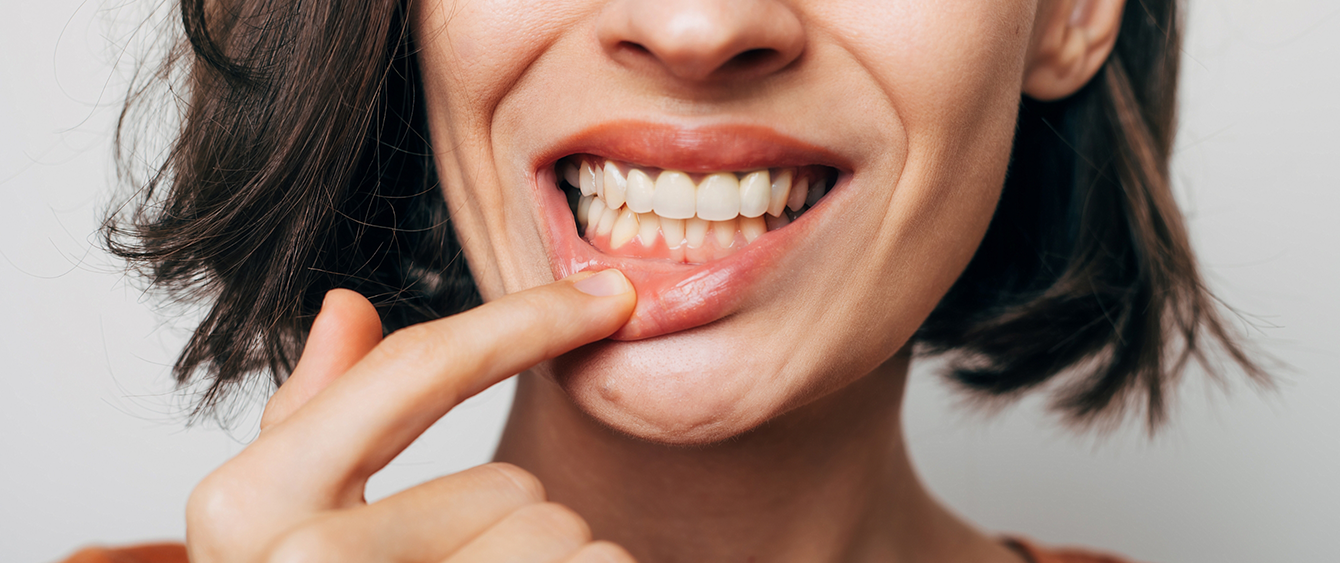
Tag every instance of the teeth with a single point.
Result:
(586, 179)
(755, 193)
(781, 188)
(624, 202)
(718, 197)
(725, 233)
(584, 209)
(816, 192)
(616, 186)
(752, 228)
(641, 192)
(625, 228)
(649, 226)
(799, 190)
(695, 231)
(570, 174)
(607, 219)
(674, 196)
(673, 231)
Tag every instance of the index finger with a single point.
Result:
(416, 375)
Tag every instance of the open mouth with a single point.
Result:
(639, 211)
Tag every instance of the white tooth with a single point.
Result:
(752, 228)
(778, 222)
(607, 218)
(616, 185)
(781, 188)
(649, 225)
(587, 179)
(673, 231)
(799, 190)
(695, 231)
(725, 233)
(816, 192)
(674, 196)
(641, 192)
(570, 174)
(584, 209)
(755, 193)
(719, 197)
(625, 228)
(600, 181)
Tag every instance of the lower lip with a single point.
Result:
(670, 297)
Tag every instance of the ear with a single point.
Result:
(1072, 40)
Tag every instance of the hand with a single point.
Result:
(355, 401)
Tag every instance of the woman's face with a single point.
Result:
(903, 110)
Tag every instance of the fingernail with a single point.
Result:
(606, 283)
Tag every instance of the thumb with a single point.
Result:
(345, 330)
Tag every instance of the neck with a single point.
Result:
(830, 481)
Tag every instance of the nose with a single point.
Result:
(702, 40)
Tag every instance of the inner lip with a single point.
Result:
(614, 223)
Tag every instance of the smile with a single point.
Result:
(696, 218)
(646, 212)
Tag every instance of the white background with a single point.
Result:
(94, 449)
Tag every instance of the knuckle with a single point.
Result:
(603, 552)
(309, 544)
(510, 477)
(212, 504)
(416, 344)
(556, 520)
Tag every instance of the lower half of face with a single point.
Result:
(790, 205)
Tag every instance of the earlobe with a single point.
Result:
(1071, 41)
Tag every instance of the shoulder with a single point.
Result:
(1038, 554)
(145, 553)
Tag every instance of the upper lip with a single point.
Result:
(702, 148)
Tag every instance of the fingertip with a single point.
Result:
(606, 283)
(349, 315)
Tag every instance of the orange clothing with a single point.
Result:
(176, 553)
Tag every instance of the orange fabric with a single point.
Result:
(1036, 554)
(176, 553)
(147, 553)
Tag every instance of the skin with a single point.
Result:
(771, 434)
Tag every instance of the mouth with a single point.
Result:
(697, 219)
(689, 218)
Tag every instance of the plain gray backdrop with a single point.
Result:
(95, 451)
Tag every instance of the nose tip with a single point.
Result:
(701, 40)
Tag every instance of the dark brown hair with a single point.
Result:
(302, 164)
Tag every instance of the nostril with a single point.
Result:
(633, 47)
(750, 59)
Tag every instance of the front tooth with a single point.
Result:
(607, 218)
(584, 209)
(641, 192)
(586, 179)
(799, 190)
(616, 185)
(725, 233)
(674, 196)
(673, 231)
(625, 228)
(719, 197)
(695, 232)
(570, 174)
(781, 188)
(752, 228)
(649, 225)
(755, 193)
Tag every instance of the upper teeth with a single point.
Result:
(672, 194)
